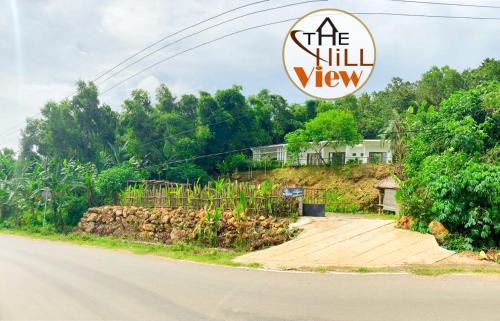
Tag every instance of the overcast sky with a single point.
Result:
(46, 46)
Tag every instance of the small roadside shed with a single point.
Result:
(387, 195)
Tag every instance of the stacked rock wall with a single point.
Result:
(176, 225)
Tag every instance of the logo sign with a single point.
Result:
(329, 54)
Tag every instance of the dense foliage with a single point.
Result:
(71, 193)
(452, 167)
(85, 151)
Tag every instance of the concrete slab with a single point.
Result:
(350, 241)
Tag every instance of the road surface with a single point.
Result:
(46, 280)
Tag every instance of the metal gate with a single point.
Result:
(314, 202)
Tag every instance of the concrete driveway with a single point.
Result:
(347, 241)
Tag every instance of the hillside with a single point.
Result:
(350, 188)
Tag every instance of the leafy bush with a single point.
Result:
(353, 161)
(266, 164)
(234, 163)
(186, 172)
(451, 176)
(70, 184)
(458, 242)
(110, 182)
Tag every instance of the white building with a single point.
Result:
(369, 151)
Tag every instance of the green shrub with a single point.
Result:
(457, 242)
(110, 182)
(186, 173)
(451, 176)
(234, 163)
(266, 164)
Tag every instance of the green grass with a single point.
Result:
(320, 269)
(365, 270)
(181, 251)
(434, 271)
(219, 256)
(416, 270)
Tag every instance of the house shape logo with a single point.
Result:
(328, 23)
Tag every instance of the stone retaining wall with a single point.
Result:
(182, 225)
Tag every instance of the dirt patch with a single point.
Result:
(182, 225)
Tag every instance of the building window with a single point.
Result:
(313, 159)
(336, 158)
(377, 157)
(353, 154)
(362, 154)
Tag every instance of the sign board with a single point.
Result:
(46, 193)
(293, 192)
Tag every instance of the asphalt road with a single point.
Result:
(46, 280)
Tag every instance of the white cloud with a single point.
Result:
(64, 42)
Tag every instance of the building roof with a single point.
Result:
(387, 182)
(284, 144)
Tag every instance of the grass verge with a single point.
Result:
(434, 271)
(219, 256)
(181, 251)
(417, 270)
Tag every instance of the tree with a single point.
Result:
(332, 128)
(450, 174)
(280, 118)
(79, 128)
(488, 71)
(165, 98)
(437, 84)
(136, 129)
(7, 167)
(231, 123)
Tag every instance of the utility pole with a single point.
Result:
(46, 192)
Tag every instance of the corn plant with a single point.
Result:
(241, 198)
(210, 229)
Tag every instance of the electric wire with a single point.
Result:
(15, 127)
(261, 26)
(189, 159)
(454, 4)
(204, 30)
(279, 22)
(176, 33)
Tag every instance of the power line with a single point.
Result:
(16, 126)
(279, 22)
(178, 32)
(169, 36)
(426, 15)
(9, 131)
(192, 130)
(248, 148)
(193, 48)
(234, 118)
(203, 30)
(447, 4)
